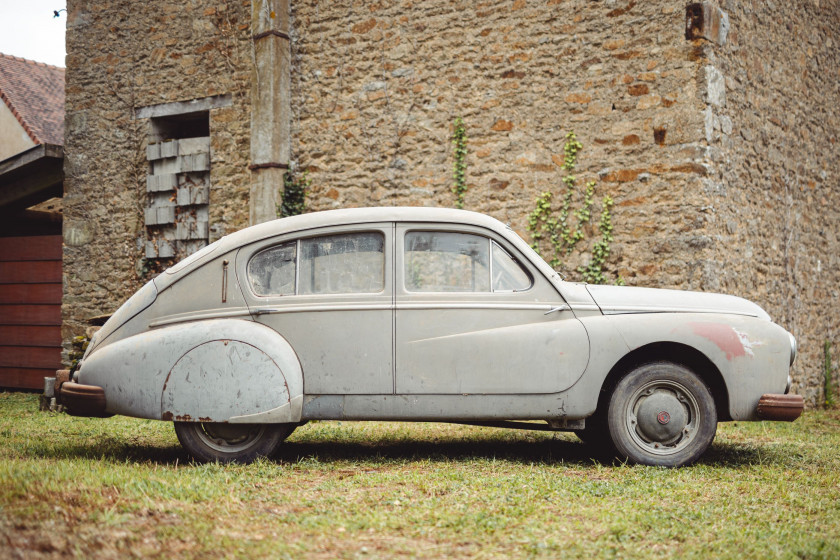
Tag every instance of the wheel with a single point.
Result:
(661, 414)
(231, 443)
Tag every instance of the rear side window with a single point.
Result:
(331, 264)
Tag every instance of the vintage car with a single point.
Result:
(428, 315)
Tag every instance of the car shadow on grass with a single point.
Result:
(548, 452)
(560, 450)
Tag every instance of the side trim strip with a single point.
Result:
(617, 310)
(404, 307)
(211, 314)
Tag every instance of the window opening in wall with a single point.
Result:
(178, 185)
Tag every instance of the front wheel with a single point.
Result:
(661, 414)
(231, 443)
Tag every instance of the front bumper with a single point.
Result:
(78, 399)
(784, 408)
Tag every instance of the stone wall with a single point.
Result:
(720, 156)
(377, 86)
(774, 155)
(123, 56)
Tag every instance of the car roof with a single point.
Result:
(348, 216)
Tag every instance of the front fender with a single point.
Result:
(221, 370)
(751, 354)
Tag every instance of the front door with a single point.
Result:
(473, 317)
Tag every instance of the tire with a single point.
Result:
(661, 414)
(231, 443)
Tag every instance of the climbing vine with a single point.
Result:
(459, 169)
(294, 194)
(560, 234)
(594, 271)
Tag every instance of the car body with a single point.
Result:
(424, 314)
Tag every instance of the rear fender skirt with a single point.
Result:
(213, 370)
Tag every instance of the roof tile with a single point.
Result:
(34, 92)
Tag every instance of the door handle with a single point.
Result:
(263, 310)
(558, 308)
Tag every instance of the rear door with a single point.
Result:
(330, 294)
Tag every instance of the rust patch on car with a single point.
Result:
(205, 419)
(166, 416)
(184, 418)
(724, 336)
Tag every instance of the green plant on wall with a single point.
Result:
(558, 232)
(294, 194)
(77, 349)
(459, 168)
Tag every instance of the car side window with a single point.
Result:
(331, 264)
(508, 275)
(446, 262)
(342, 264)
(272, 271)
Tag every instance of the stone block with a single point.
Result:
(158, 215)
(153, 152)
(169, 149)
(191, 230)
(165, 215)
(703, 20)
(194, 162)
(159, 249)
(190, 146)
(191, 196)
(158, 183)
(164, 166)
(715, 87)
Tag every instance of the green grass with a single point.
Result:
(122, 487)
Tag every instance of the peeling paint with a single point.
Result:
(732, 342)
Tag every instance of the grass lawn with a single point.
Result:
(122, 487)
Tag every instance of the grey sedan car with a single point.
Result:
(428, 315)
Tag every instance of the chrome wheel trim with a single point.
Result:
(686, 404)
(229, 438)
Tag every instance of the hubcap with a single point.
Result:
(229, 438)
(662, 417)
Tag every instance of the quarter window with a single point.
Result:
(508, 275)
(332, 264)
(272, 272)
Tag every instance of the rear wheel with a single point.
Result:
(661, 414)
(231, 443)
